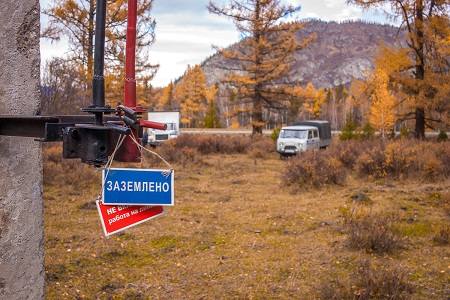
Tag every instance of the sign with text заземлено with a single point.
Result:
(138, 187)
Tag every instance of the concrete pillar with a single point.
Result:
(21, 207)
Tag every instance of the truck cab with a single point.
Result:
(303, 136)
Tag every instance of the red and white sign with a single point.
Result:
(117, 218)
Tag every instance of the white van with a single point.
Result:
(303, 137)
(155, 137)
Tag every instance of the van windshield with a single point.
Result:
(293, 134)
(171, 126)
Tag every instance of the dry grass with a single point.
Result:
(189, 149)
(373, 159)
(373, 232)
(209, 144)
(314, 169)
(235, 232)
(68, 171)
(443, 236)
(406, 159)
(370, 282)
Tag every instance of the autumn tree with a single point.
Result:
(383, 102)
(426, 24)
(263, 59)
(191, 93)
(75, 19)
(211, 117)
(309, 100)
(381, 89)
(358, 101)
(166, 99)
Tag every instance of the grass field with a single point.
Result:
(237, 231)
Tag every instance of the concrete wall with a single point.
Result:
(21, 207)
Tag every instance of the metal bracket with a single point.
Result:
(81, 136)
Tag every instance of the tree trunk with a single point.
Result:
(420, 67)
(420, 123)
(257, 116)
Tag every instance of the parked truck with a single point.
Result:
(303, 136)
(155, 137)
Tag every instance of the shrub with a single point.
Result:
(261, 147)
(442, 151)
(400, 159)
(314, 169)
(446, 203)
(372, 162)
(404, 132)
(209, 144)
(371, 232)
(184, 156)
(369, 282)
(219, 144)
(275, 134)
(443, 236)
(368, 132)
(348, 131)
(404, 159)
(442, 136)
(348, 151)
(189, 149)
(59, 171)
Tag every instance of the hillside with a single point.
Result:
(341, 52)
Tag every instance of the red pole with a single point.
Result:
(129, 152)
(130, 59)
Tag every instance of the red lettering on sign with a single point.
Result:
(117, 218)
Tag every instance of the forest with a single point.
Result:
(405, 87)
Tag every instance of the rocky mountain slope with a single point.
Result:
(340, 53)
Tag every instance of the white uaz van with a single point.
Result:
(304, 136)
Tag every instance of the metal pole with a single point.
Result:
(129, 152)
(130, 59)
(98, 84)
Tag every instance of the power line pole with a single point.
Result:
(21, 206)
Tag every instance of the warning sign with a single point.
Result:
(116, 218)
(138, 187)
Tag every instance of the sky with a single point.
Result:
(186, 32)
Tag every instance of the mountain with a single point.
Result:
(340, 53)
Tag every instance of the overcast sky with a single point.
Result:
(186, 31)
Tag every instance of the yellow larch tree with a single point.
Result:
(75, 19)
(211, 117)
(426, 25)
(312, 99)
(307, 102)
(380, 87)
(191, 93)
(381, 114)
(166, 99)
(259, 65)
